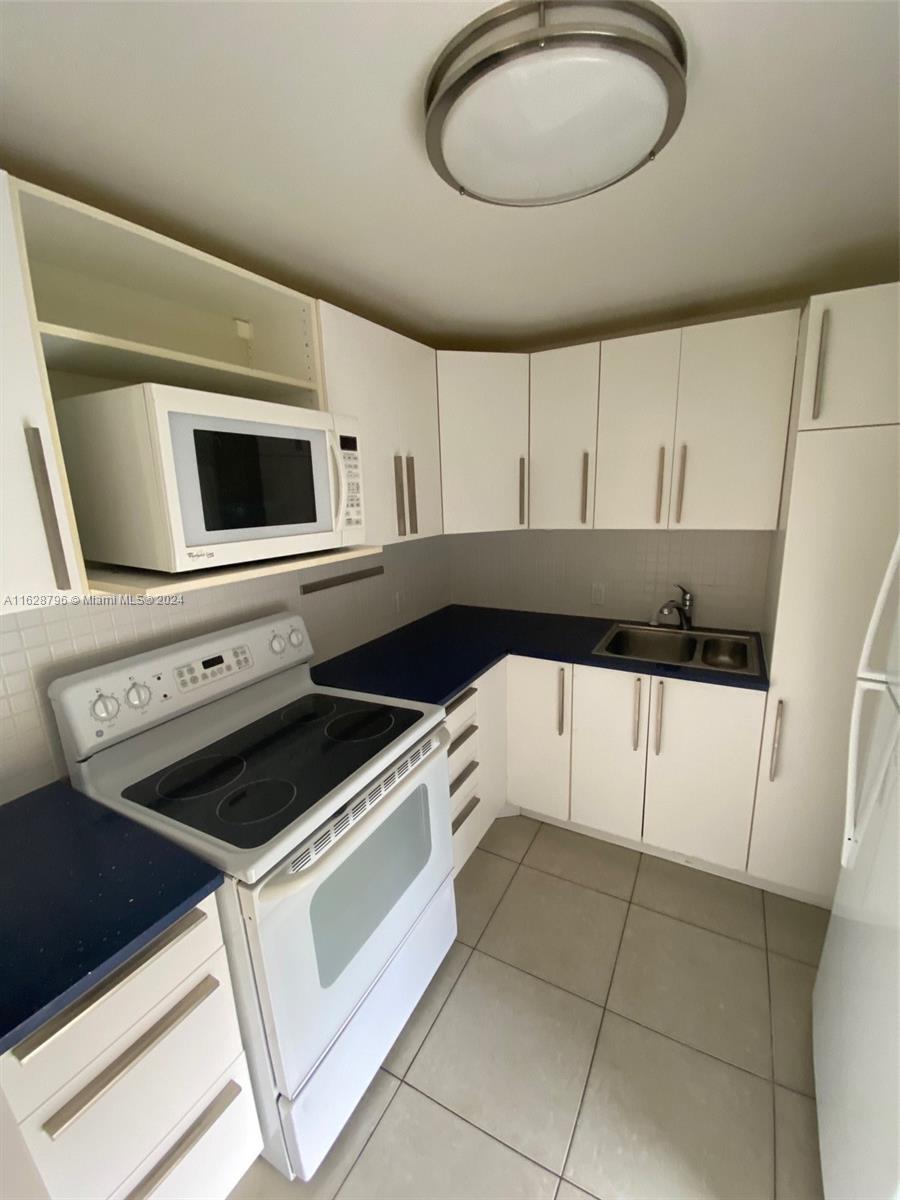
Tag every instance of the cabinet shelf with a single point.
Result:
(95, 354)
(129, 581)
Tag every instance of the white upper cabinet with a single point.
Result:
(388, 383)
(636, 430)
(563, 437)
(539, 734)
(483, 404)
(701, 769)
(40, 552)
(734, 399)
(850, 359)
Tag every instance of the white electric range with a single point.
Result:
(329, 813)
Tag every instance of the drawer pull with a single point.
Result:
(462, 739)
(110, 1076)
(659, 718)
(468, 769)
(636, 715)
(398, 496)
(585, 472)
(561, 711)
(776, 741)
(185, 1144)
(463, 815)
(57, 1025)
(521, 491)
(681, 478)
(660, 476)
(411, 492)
(459, 700)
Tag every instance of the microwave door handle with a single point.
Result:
(281, 885)
(341, 480)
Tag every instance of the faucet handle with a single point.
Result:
(686, 594)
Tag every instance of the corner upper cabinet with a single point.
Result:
(483, 407)
(734, 400)
(850, 359)
(563, 437)
(40, 551)
(636, 430)
(388, 383)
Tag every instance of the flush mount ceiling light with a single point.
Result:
(540, 102)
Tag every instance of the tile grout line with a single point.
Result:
(368, 1139)
(771, 1048)
(443, 1005)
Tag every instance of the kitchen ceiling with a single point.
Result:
(288, 137)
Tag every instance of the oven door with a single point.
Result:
(320, 938)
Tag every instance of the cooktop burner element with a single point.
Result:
(256, 801)
(248, 786)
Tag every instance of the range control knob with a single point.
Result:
(104, 707)
(277, 645)
(138, 695)
(295, 637)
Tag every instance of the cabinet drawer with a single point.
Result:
(88, 1138)
(461, 711)
(462, 750)
(462, 787)
(208, 1152)
(469, 826)
(66, 1044)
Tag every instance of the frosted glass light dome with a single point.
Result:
(554, 109)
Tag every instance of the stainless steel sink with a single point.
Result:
(705, 649)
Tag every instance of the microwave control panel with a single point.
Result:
(353, 509)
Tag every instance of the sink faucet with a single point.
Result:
(684, 608)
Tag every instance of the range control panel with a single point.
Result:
(104, 705)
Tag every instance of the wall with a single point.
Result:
(39, 645)
(553, 571)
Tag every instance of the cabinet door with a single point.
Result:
(850, 359)
(842, 524)
(636, 430)
(610, 710)
(41, 554)
(421, 442)
(563, 437)
(539, 732)
(701, 769)
(734, 400)
(483, 401)
(492, 737)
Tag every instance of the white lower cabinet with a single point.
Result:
(701, 769)
(539, 730)
(610, 712)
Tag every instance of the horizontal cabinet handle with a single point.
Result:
(461, 739)
(468, 770)
(463, 815)
(459, 700)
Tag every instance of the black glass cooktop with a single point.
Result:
(246, 787)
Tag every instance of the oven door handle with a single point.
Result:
(282, 883)
(341, 479)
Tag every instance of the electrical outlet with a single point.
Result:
(598, 594)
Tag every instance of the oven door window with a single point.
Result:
(244, 479)
(354, 899)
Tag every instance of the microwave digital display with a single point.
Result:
(249, 481)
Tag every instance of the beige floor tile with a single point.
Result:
(700, 987)
(478, 887)
(662, 1120)
(584, 860)
(794, 929)
(414, 1032)
(564, 933)
(263, 1182)
(792, 985)
(421, 1151)
(568, 1191)
(510, 1053)
(701, 898)
(510, 836)
(798, 1173)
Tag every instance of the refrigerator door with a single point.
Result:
(880, 659)
(856, 1000)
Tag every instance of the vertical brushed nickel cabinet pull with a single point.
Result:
(585, 471)
(776, 741)
(49, 518)
(411, 489)
(659, 715)
(521, 491)
(636, 717)
(398, 492)
(820, 365)
(660, 476)
(681, 474)
(561, 714)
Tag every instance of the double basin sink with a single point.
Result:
(706, 650)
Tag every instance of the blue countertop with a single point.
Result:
(436, 657)
(82, 888)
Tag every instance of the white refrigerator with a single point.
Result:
(856, 1002)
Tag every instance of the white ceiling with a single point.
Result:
(288, 136)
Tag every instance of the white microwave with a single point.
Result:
(172, 479)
